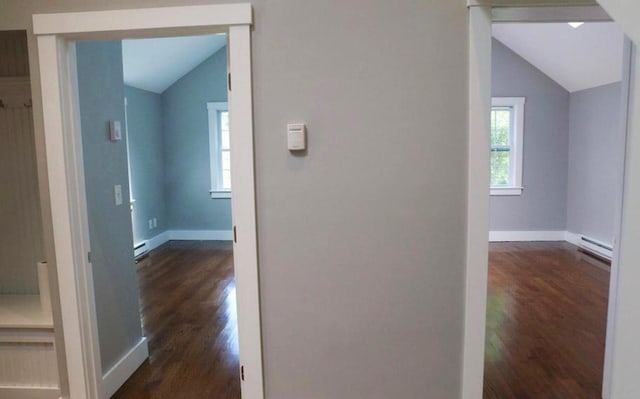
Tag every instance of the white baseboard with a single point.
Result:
(29, 392)
(182, 235)
(126, 366)
(572, 238)
(502, 236)
(213, 235)
(158, 240)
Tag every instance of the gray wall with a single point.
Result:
(361, 241)
(542, 205)
(146, 156)
(186, 137)
(596, 146)
(101, 100)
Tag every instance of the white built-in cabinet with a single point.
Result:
(28, 362)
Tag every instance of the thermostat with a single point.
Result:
(296, 136)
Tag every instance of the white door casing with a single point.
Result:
(55, 35)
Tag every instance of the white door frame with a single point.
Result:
(56, 34)
(481, 18)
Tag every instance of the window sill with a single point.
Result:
(220, 194)
(513, 191)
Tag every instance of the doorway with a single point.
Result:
(181, 232)
(56, 47)
(480, 101)
(556, 176)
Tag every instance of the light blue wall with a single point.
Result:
(542, 205)
(596, 148)
(186, 138)
(116, 292)
(146, 151)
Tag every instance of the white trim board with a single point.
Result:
(204, 235)
(125, 367)
(572, 238)
(143, 19)
(29, 392)
(527, 236)
(478, 179)
(505, 236)
(158, 240)
(185, 235)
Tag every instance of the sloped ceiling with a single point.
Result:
(577, 59)
(156, 64)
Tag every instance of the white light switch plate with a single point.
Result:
(117, 193)
(115, 130)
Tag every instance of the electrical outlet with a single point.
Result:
(150, 224)
(155, 222)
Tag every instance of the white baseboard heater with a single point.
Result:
(140, 250)
(596, 247)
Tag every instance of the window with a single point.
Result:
(507, 130)
(220, 150)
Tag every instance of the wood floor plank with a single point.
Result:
(187, 295)
(546, 322)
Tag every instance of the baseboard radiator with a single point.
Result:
(596, 247)
(140, 250)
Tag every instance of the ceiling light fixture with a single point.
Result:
(576, 25)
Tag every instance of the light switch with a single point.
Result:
(115, 130)
(296, 137)
(117, 193)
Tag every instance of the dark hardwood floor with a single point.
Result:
(546, 322)
(187, 295)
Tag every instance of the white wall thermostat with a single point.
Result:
(296, 136)
(115, 130)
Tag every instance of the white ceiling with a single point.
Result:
(577, 59)
(156, 64)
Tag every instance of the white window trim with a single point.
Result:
(517, 148)
(214, 149)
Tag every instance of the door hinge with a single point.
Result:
(242, 373)
(235, 235)
(229, 81)
(89, 256)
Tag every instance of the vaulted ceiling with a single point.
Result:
(155, 64)
(577, 59)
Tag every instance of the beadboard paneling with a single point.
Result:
(30, 364)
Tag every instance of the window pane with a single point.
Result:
(226, 160)
(223, 116)
(226, 179)
(500, 168)
(501, 126)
